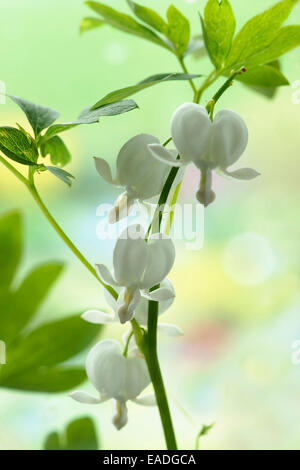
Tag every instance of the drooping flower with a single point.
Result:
(208, 144)
(141, 175)
(139, 265)
(116, 377)
(140, 314)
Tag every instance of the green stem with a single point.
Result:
(156, 377)
(29, 183)
(181, 61)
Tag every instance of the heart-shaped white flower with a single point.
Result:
(141, 175)
(116, 377)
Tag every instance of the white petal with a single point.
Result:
(190, 129)
(242, 174)
(138, 170)
(106, 368)
(104, 170)
(112, 302)
(169, 330)
(137, 376)
(146, 400)
(121, 417)
(159, 295)
(105, 275)
(127, 301)
(97, 317)
(84, 397)
(160, 259)
(162, 154)
(121, 208)
(228, 139)
(129, 257)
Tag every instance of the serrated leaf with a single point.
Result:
(17, 146)
(148, 82)
(219, 27)
(47, 380)
(126, 23)
(257, 35)
(19, 306)
(61, 174)
(178, 30)
(149, 16)
(81, 435)
(90, 116)
(265, 76)
(58, 151)
(89, 23)
(11, 239)
(38, 116)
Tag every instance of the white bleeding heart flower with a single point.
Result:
(116, 377)
(2, 353)
(138, 173)
(139, 265)
(208, 144)
(140, 314)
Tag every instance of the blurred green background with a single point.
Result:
(237, 298)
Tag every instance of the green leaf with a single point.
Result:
(203, 432)
(265, 76)
(48, 380)
(58, 151)
(17, 146)
(90, 116)
(52, 442)
(219, 27)
(148, 82)
(126, 23)
(61, 174)
(19, 306)
(148, 16)
(287, 39)
(257, 35)
(39, 117)
(31, 357)
(178, 30)
(81, 435)
(11, 237)
(90, 23)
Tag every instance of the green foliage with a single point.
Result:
(34, 356)
(261, 40)
(126, 23)
(61, 174)
(178, 30)
(149, 16)
(90, 116)
(17, 146)
(148, 82)
(265, 76)
(58, 151)
(89, 23)
(80, 434)
(38, 116)
(218, 30)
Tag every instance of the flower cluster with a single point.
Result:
(141, 263)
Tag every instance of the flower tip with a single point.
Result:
(205, 197)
